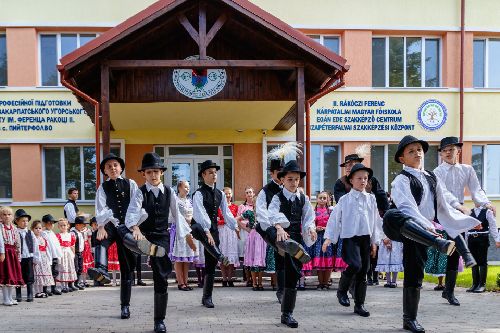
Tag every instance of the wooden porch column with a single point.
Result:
(106, 127)
(301, 104)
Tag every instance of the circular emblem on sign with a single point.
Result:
(432, 114)
(199, 83)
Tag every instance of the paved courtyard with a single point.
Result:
(240, 309)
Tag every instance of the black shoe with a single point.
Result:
(343, 298)
(360, 310)
(65, 290)
(99, 275)
(224, 283)
(369, 283)
(72, 286)
(207, 302)
(54, 290)
(294, 249)
(141, 283)
(29, 289)
(449, 291)
(483, 273)
(80, 286)
(439, 287)
(413, 326)
(464, 251)
(125, 312)
(288, 320)
(19, 296)
(160, 327)
(208, 287)
(230, 283)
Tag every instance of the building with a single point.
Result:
(404, 78)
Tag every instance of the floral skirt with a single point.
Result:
(88, 259)
(436, 261)
(10, 268)
(339, 264)
(390, 260)
(66, 266)
(179, 248)
(319, 260)
(270, 260)
(255, 250)
(43, 271)
(229, 244)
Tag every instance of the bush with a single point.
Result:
(498, 280)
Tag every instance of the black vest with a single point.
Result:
(212, 199)
(117, 197)
(417, 188)
(293, 212)
(482, 218)
(158, 209)
(74, 205)
(29, 242)
(77, 241)
(270, 190)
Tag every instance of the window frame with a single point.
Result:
(58, 43)
(4, 33)
(484, 180)
(11, 189)
(422, 61)
(322, 40)
(485, 61)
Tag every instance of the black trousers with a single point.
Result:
(414, 254)
(27, 270)
(292, 267)
(478, 247)
(372, 273)
(55, 271)
(356, 254)
(200, 235)
(78, 263)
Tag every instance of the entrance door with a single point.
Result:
(187, 169)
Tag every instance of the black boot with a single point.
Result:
(46, 291)
(280, 279)
(415, 232)
(19, 296)
(142, 246)
(359, 299)
(125, 293)
(475, 279)
(72, 287)
(160, 310)
(464, 251)
(344, 285)
(287, 307)
(54, 290)
(200, 235)
(411, 298)
(29, 291)
(483, 273)
(449, 289)
(100, 272)
(294, 249)
(208, 287)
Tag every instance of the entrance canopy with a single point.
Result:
(200, 60)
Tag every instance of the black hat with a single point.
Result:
(110, 157)
(450, 140)
(48, 218)
(21, 213)
(275, 165)
(208, 164)
(93, 220)
(405, 142)
(80, 220)
(358, 167)
(291, 166)
(152, 161)
(352, 157)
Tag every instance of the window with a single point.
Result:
(486, 64)
(3, 61)
(492, 170)
(408, 62)
(5, 174)
(52, 48)
(478, 162)
(385, 168)
(325, 168)
(74, 166)
(330, 42)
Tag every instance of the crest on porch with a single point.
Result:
(199, 83)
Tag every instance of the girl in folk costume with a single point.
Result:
(43, 270)
(10, 250)
(255, 250)
(67, 272)
(228, 241)
(113, 263)
(54, 248)
(180, 253)
(243, 233)
(88, 258)
(390, 261)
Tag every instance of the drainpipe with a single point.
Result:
(327, 88)
(462, 46)
(96, 120)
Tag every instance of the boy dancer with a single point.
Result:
(147, 217)
(455, 177)
(70, 208)
(54, 248)
(356, 220)
(30, 253)
(291, 217)
(420, 199)
(206, 202)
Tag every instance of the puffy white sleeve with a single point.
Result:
(274, 214)
(261, 210)
(2, 246)
(135, 213)
(333, 226)
(229, 219)
(181, 225)
(493, 225)
(476, 192)
(37, 258)
(69, 209)
(104, 214)
(449, 197)
(308, 224)
(377, 233)
(403, 199)
(199, 213)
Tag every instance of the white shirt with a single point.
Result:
(136, 214)
(261, 209)
(356, 214)
(491, 222)
(453, 221)
(53, 243)
(455, 178)
(24, 249)
(81, 239)
(276, 217)
(200, 214)
(104, 214)
(69, 209)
